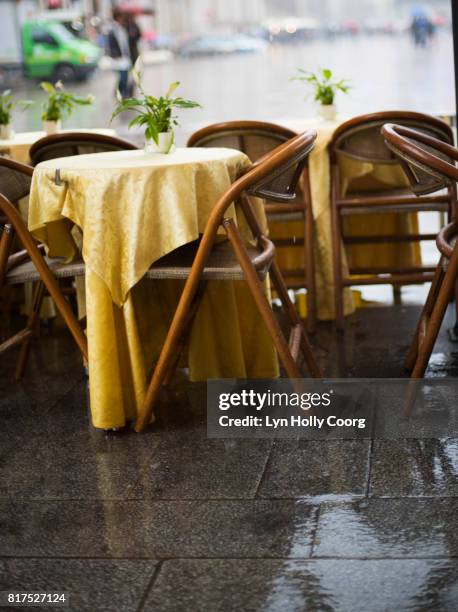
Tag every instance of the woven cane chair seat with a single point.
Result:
(222, 264)
(26, 272)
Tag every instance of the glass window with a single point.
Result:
(43, 37)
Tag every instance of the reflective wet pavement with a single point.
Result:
(171, 521)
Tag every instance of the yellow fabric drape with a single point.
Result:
(132, 209)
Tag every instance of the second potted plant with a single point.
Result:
(7, 105)
(156, 115)
(59, 104)
(325, 88)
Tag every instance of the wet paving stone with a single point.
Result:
(189, 466)
(303, 468)
(414, 468)
(105, 586)
(77, 461)
(54, 370)
(62, 410)
(315, 585)
(70, 471)
(258, 528)
(378, 528)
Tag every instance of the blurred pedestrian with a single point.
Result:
(135, 35)
(422, 27)
(119, 50)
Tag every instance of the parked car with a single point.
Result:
(221, 45)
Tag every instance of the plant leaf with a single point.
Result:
(48, 87)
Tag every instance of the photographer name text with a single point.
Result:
(291, 421)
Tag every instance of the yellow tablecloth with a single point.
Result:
(356, 175)
(132, 209)
(18, 146)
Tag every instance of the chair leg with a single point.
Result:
(397, 295)
(294, 320)
(437, 316)
(436, 283)
(6, 242)
(453, 332)
(309, 256)
(336, 236)
(262, 302)
(424, 352)
(32, 324)
(310, 271)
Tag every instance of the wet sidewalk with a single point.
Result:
(172, 521)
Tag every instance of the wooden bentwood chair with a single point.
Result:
(256, 139)
(30, 265)
(274, 178)
(360, 139)
(430, 164)
(66, 144)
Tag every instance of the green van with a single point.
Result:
(51, 51)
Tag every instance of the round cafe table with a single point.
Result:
(133, 208)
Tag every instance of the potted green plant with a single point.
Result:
(325, 89)
(156, 115)
(58, 104)
(7, 105)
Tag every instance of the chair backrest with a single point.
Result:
(360, 138)
(15, 179)
(66, 144)
(254, 138)
(274, 177)
(428, 162)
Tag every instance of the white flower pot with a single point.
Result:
(52, 127)
(163, 145)
(6, 131)
(328, 112)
